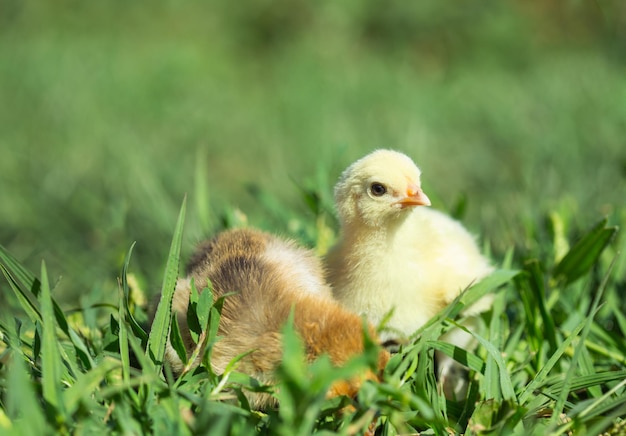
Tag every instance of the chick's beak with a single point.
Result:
(414, 197)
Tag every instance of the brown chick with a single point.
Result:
(393, 255)
(269, 277)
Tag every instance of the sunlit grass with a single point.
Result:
(550, 361)
(106, 119)
(111, 115)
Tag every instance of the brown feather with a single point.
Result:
(268, 277)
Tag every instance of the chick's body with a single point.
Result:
(416, 267)
(392, 255)
(268, 277)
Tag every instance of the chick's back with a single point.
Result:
(265, 278)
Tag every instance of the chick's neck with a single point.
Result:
(363, 249)
(382, 229)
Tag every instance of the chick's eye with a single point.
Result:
(378, 189)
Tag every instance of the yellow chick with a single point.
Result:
(269, 277)
(393, 255)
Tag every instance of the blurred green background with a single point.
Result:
(110, 112)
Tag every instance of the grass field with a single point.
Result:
(110, 114)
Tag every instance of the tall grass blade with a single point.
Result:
(586, 381)
(541, 376)
(531, 320)
(51, 371)
(205, 302)
(605, 402)
(80, 347)
(537, 285)
(462, 356)
(621, 322)
(584, 253)
(567, 381)
(497, 383)
(193, 323)
(21, 274)
(488, 284)
(469, 297)
(28, 304)
(85, 385)
(125, 301)
(123, 314)
(22, 404)
(613, 423)
(586, 367)
(212, 326)
(160, 327)
(500, 371)
(176, 340)
(27, 288)
(201, 193)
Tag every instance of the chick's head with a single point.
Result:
(379, 188)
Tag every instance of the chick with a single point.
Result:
(392, 255)
(269, 277)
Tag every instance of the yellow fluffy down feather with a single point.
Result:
(393, 253)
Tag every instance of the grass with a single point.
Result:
(112, 115)
(107, 119)
(551, 361)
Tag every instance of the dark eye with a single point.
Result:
(378, 189)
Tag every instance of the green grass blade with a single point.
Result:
(232, 366)
(86, 383)
(586, 367)
(143, 360)
(193, 323)
(587, 381)
(50, 356)
(514, 339)
(500, 371)
(609, 344)
(22, 403)
(541, 376)
(21, 274)
(621, 322)
(612, 424)
(201, 193)
(468, 297)
(585, 252)
(462, 356)
(560, 402)
(205, 302)
(605, 403)
(488, 284)
(497, 382)
(29, 305)
(81, 349)
(537, 285)
(534, 337)
(123, 339)
(20, 279)
(293, 372)
(160, 327)
(176, 340)
(128, 315)
(125, 320)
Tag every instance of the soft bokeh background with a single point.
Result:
(110, 112)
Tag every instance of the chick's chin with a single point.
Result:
(381, 214)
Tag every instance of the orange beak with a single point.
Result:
(414, 197)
